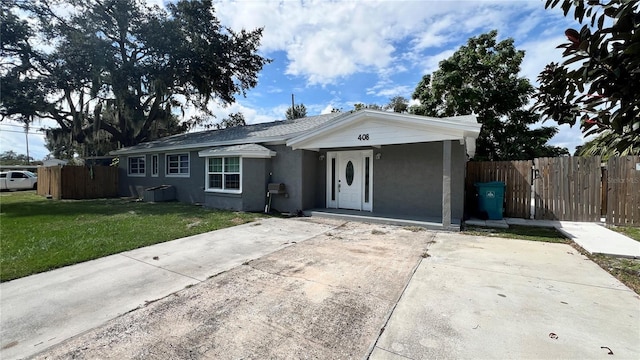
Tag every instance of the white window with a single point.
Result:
(154, 165)
(136, 166)
(177, 165)
(223, 174)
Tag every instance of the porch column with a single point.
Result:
(446, 183)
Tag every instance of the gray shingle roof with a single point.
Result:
(256, 133)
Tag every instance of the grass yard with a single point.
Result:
(632, 232)
(520, 232)
(625, 270)
(39, 234)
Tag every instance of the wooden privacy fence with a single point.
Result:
(515, 174)
(623, 187)
(565, 188)
(568, 188)
(78, 182)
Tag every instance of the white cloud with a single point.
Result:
(327, 109)
(538, 54)
(327, 41)
(430, 63)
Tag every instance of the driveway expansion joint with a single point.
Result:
(162, 268)
(394, 353)
(393, 308)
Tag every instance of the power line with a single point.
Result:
(22, 132)
(20, 126)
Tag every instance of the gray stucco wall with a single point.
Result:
(309, 178)
(287, 168)
(407, 180)
(188, 189)
(255, 174)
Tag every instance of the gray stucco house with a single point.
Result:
(367, 161)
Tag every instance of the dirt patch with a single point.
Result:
(238, 221)
(327, 297)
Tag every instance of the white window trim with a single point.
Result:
(206, 176)
(166, 164)
(144, 159)
(155, 158)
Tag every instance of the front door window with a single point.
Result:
(349, 173)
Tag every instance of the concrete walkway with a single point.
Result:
(593, 237)
(492, 298)
(45, 309)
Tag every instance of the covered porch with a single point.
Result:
(391, 168)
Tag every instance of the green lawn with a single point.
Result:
(39, 234)
(520, 232)
(632, 232)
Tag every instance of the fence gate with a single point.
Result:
(568, 188)
(623, 191)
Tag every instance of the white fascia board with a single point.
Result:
(273, 140)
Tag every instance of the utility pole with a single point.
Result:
(26, 137)
(293, 104)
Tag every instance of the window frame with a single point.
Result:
(155, 165)
(179, 174)
(223, 173)
(144, 166)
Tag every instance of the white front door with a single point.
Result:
(349, 180)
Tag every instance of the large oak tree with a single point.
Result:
(120, 69)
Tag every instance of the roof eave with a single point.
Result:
(192, 147)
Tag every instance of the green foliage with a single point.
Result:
(11, 158)
(40, 235)
(296, 112)
(120, 69)
(598, 84)
(482, 78)
(233, 120)
(361, 106)
(606, 145)
(398, 104)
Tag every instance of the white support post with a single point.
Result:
(446, 183)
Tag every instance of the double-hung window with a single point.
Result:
(177, 164)
(135, 166)
(223, 174)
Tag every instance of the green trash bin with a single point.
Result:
(491, 198)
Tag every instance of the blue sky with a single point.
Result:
(333, 54)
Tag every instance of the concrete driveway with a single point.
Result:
(326, 297)
(356, 290)
(492, 298)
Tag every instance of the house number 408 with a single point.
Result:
(363, 137)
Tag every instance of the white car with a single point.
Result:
(18, 180)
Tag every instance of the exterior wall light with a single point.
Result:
(321, 157)
(378, 156)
